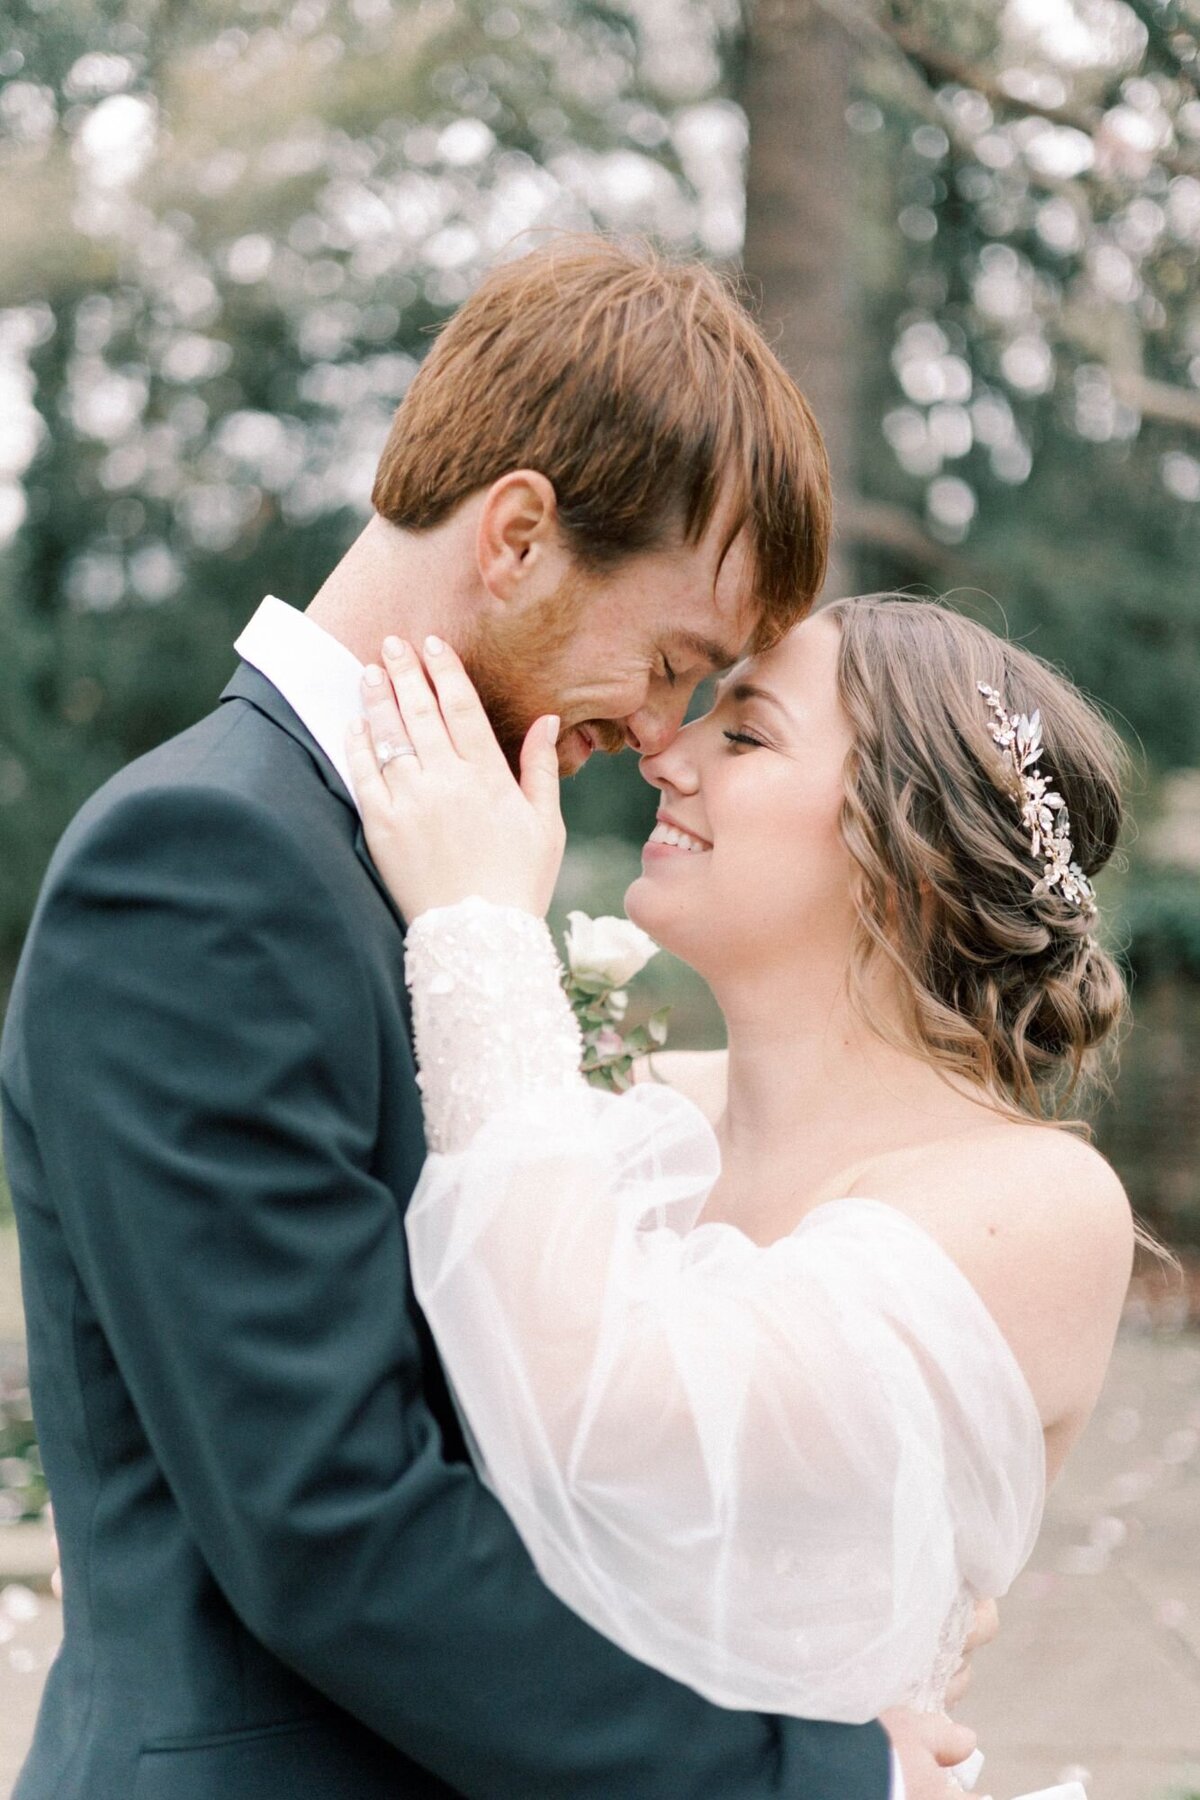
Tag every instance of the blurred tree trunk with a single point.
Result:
(796, 87)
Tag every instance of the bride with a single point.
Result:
(771, 1359)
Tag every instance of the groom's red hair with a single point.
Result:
(644, 392)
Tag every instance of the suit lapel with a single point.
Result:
(364, 857)
(249, 685)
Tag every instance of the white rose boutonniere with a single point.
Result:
(603, 956)
(607, 951)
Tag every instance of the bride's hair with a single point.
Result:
(1001, 985)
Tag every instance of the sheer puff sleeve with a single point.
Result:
(771, 1472)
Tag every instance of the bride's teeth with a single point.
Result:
(677, 840)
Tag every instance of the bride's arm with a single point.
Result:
(766, 1471)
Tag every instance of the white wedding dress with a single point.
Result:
(780, 1474)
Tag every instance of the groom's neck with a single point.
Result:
(393, 581)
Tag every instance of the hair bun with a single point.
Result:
(1077, 1006)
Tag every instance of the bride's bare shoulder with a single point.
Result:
(701, 1075)
(1040, 1223)
(1013, 1157)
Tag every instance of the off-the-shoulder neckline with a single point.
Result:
(652, 1092)
(897, 1214)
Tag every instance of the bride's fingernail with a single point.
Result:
(434, 646)
(373, 676)
(552, 724)
(393, 647)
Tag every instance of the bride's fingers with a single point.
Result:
(469, 727)
(420, 713)
(959, 1682)
(365, 774)
(539, 769)
(985, 1627)
(952, 1743)
(387, 729)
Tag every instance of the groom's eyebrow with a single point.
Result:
(716, 655)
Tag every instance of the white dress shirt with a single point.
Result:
(318, 677)
(320, 680)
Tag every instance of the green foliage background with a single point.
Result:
(229, 230)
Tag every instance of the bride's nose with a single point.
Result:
(674, 767)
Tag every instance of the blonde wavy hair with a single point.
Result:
(1009, 989)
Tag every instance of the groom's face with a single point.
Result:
(618, 656)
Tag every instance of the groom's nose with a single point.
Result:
(652, 729)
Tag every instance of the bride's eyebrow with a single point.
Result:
(747, 690)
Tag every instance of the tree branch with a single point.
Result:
(875, 525)
(1159, 400)
(937, 66)
(941, 65)
(1161, 42)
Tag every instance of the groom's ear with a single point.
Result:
(518, 545)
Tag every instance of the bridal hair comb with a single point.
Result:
(1043, 812)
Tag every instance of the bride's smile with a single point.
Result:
(747, 857)
(669, 834)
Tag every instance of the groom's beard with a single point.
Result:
(517, 665)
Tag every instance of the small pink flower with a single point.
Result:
(609, 1043)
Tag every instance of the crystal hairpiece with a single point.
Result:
(1043, 812)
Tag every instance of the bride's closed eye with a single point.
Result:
(743, 737)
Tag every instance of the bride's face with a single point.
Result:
(757, 787)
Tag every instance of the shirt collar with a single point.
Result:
(318, 677)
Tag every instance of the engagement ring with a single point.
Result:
(387, 753)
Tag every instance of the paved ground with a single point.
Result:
(29, 1631)
(1098, 1666)
(12, 1321)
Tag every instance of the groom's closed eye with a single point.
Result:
(714, 659)
(709, 652)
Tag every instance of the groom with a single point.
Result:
(281, 1576)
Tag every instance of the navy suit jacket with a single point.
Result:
(281, 1575)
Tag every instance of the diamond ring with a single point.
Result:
(387, 753)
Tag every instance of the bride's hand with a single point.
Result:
(928, 1746)
(446, 818)
(984, 1630)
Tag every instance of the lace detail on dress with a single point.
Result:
(490, 1018)
(930, 1695)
